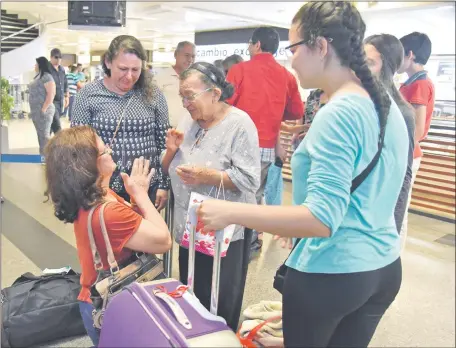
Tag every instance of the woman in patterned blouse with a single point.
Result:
(315, 101)
(128, 112)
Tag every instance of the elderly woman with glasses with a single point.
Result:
(218, 143)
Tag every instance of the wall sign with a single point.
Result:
(209, 53)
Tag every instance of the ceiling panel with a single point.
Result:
(161, 25)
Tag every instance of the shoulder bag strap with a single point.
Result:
(97, 263)
(363, 175)
(113, 266)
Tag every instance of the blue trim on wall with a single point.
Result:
(20, 158)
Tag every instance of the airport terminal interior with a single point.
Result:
(33, 239)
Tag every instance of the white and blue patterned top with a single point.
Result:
(142, 131)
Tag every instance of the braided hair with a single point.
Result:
(341, 23)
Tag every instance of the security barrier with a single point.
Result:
(21, 107)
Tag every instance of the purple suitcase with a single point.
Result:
(141, 316)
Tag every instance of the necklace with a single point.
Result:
(199, 138)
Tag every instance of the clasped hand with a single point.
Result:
(139, 179)
(193, 175)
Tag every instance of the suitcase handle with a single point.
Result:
(215, 286)
(178, 312)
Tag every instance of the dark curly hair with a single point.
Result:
(211, 76)
(130, 44)
(341, 22)
(72, 176)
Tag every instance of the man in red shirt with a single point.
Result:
(269, 93)
(419, 91)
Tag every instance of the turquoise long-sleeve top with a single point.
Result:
(340, 144)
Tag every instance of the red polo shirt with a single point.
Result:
(419, 90)
(268, 92)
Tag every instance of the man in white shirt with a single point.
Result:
(167, 80)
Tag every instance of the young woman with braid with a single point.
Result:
(345, 270)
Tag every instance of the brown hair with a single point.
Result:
(72, 176)
(130, 44)
(341, 22)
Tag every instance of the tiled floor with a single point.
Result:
(422, 316)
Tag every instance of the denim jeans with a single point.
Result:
(86, 313)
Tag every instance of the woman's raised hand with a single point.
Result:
(139, 179)
(174, 139)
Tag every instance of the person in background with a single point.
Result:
(345, 270)
(419, 91)
(73, 86)
(385, 55)
(219, 142)
(315, 101)
(86, 73)
(150, 68)
(42, 108)
(78, 172)
(128, 112)
(62, 94)
(167, 79)
(219, 64)
(80, 75)
(228, 62)
(269, 94)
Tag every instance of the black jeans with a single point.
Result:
(337, 310)
(56, 126)
(233, 274)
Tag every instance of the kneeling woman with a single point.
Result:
(78, 169)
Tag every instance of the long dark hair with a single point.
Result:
(43, 66)
(392, 55)
(72, 176)
(130, 44)
(341, 21)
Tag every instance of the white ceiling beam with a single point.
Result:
(238, 17)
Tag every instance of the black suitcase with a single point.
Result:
(39, 309)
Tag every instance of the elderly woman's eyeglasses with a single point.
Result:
(193, 96)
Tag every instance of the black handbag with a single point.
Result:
(39, 309)
(279, 278)
(140, 267)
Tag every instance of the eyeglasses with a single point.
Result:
(57, 57)
(193, 97)
(303, 42)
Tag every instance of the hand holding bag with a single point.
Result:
(140, 267)
(205, 241)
